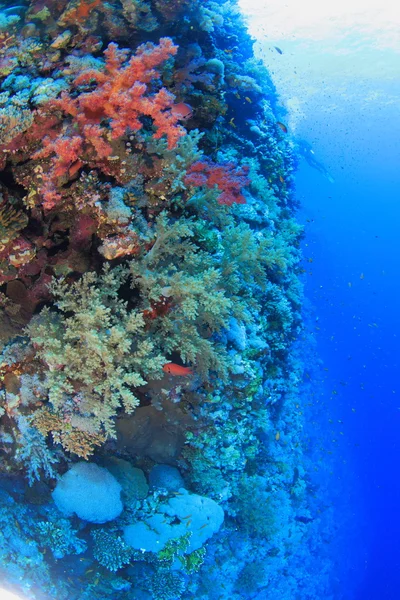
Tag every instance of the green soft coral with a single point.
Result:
(178, 271)
(96, 351)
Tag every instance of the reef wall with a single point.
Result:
(151, 427)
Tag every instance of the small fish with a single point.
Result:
(202, 527)
(282, 126)
(229, 51)
(182, 111)
(281, 179)
(249, 100)
(278, 50)
(177, 370)
(187, 517)
(231, 123)
(189, 523)
(237, 95)
(277, 436)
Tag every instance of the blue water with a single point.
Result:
(353, 282)
(341, 85)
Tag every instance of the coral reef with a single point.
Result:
(150, 308)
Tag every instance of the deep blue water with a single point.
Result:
(353, 284)
(342, 93)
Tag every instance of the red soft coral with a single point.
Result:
(228, 180)
(115, 105)
(120, 93)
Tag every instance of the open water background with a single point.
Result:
(342, 91)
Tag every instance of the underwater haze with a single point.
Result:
(199, 328)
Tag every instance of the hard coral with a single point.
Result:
(139, 14)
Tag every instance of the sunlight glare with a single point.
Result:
(6, 595)
(377, 20)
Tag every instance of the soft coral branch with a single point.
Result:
(121, 93)
(225, 177)
(115, 105)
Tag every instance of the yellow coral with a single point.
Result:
(11, 222)
(73, 440)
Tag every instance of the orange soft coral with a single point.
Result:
(116, 103)
(120, 94)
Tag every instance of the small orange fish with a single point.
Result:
(177, 370)
(182, 111)
(282, 126)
